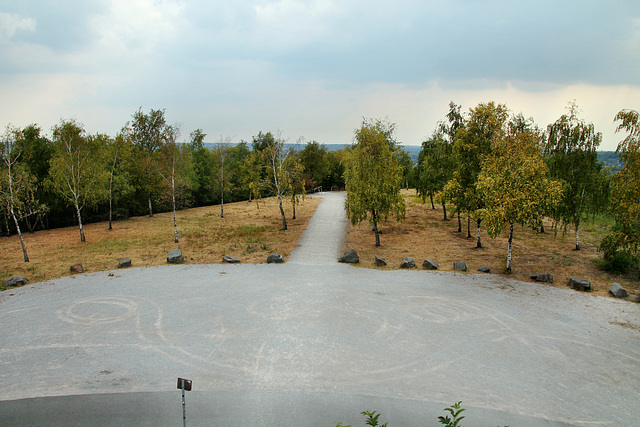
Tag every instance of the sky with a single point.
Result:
(313, 69)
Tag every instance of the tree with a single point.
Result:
(295, 182)
(15, 183)
(473, 141)
(436, 164)
(173, 167)
(222, 151)
(313, 158)
(35, 154)
(625, 195)
(572, 158)
(204, 167)
(147, 134)
(237, 172)
(514, 185)
(274, 170)
(373, 176)
(77, 170)
(118, 153)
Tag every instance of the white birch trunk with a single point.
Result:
(24, 248)
(509, 247)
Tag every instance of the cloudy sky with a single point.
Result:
(314, 68)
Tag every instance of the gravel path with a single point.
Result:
(312, 341)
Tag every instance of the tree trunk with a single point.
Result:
(82, 238)
(577, 236)
(110, 202)
(432, 205)
(6, 223)
(293, 202)
(375, 228)
(222, 189)
(24, 248)
(542, 228)
(478, 241)
(150, 206)
(509, 247)
(444, 209)
(459, 223)
(284, 218)
(173, 197)
(468, 226)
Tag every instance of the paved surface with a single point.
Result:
(312, 341)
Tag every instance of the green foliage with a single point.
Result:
(373, 176)
(570, 151)
(514, 185)
(454, 420)
(436, 165)
(621, 247)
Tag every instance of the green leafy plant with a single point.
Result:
(372, 419)
(455, 410)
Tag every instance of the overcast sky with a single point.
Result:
(314, 68)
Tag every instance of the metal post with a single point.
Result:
(184, 409)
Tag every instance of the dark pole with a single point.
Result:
(184, 409)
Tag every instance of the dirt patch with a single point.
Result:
(425, 234)
(249, 230)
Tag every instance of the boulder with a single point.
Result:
(460, 266)
(484, 269)
(76, 268)
(124, 263)
(14, 281)
(618, 291)
(430, 264)
(542, 277)
(351, 257)
(175, 257)
(407, 262)
(579, 284)
(275, 259)
(230, 259)
(379, 262)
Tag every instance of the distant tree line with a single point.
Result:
(73, 177)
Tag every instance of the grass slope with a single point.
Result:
(424, 234)
(250, 231)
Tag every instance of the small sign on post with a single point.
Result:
(184, 385)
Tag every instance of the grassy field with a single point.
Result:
(424, 234)
(249, 231)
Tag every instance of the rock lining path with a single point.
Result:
(312, 341)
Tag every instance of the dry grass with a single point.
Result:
(250, 231)
(424, 234)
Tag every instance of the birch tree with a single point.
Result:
(572, 158)
(15, 181)
(77, 170)
(473, 141)
(117, 153)
(625, 197)
(514, 185)
(373, 176)
(147, 133)
(172, 165)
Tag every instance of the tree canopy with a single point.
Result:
(373, 176)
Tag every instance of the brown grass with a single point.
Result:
(424, 234)
(250, 231)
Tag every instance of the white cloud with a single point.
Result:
(138, 26)
(11, 23)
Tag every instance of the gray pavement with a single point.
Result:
(313, 341)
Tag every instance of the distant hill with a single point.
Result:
(610, 160)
